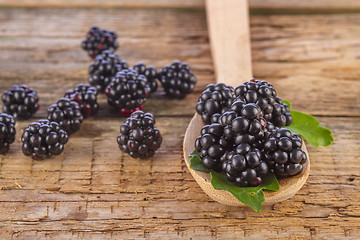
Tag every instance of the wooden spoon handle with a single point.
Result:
(228, 23)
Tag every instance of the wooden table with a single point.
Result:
(310, 52)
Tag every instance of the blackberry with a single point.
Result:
(127, 91)
(20, 101)
(177, 79)
(243, 124)
(150, 74)
(67, 114)
(98, 40)
(86, 96)
(244, 166)
(211, 145)
(139, 137)
(283, 153)
(104, 67)
(213, 101)
(264, 95)
(42, 139)
(7, 132)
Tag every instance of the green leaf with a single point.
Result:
(309, 128)
(196, 162)
(251, 196)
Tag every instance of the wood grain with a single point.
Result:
(287, 5)
(104, 191)
(312, 52)
(228, 24)
(99, 193)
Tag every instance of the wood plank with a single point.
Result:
(282, 5)
(104, 191)
(93, 191)
(286, 51)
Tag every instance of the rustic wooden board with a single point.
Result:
(93, 191)
(285, 49)
(304, 5)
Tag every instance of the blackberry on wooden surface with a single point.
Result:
(20, 101)
(177, 79)
(86, 96)
(127, 91)
(150, 74)
(104, 68)
(7, 132)
(214, 101)
(283, 153)
(67, 114)
(98, 40)
(138, 135)
(42, 139)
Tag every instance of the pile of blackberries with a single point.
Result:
(177, 79)
(98, 40)
(244, 136)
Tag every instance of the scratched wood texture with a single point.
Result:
(93, 191)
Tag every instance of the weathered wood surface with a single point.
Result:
(93, 191)
(264, 5)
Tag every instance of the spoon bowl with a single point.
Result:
(288, 186)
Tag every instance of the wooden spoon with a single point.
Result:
(228, 23)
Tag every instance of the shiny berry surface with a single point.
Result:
(138, 135)
(43, 139)
(20, 101)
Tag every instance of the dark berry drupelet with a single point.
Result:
(86, 96)
(264, 95)
(177, 79)
(214, 101)
(104, 68)
(7, 132)
(67, 113)
(150, 74)
(98, 40)
(127, 91)
(283, 153)
(139, 137)
(243, 124)
(20, 101)
(244, 166)
(42, 139)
